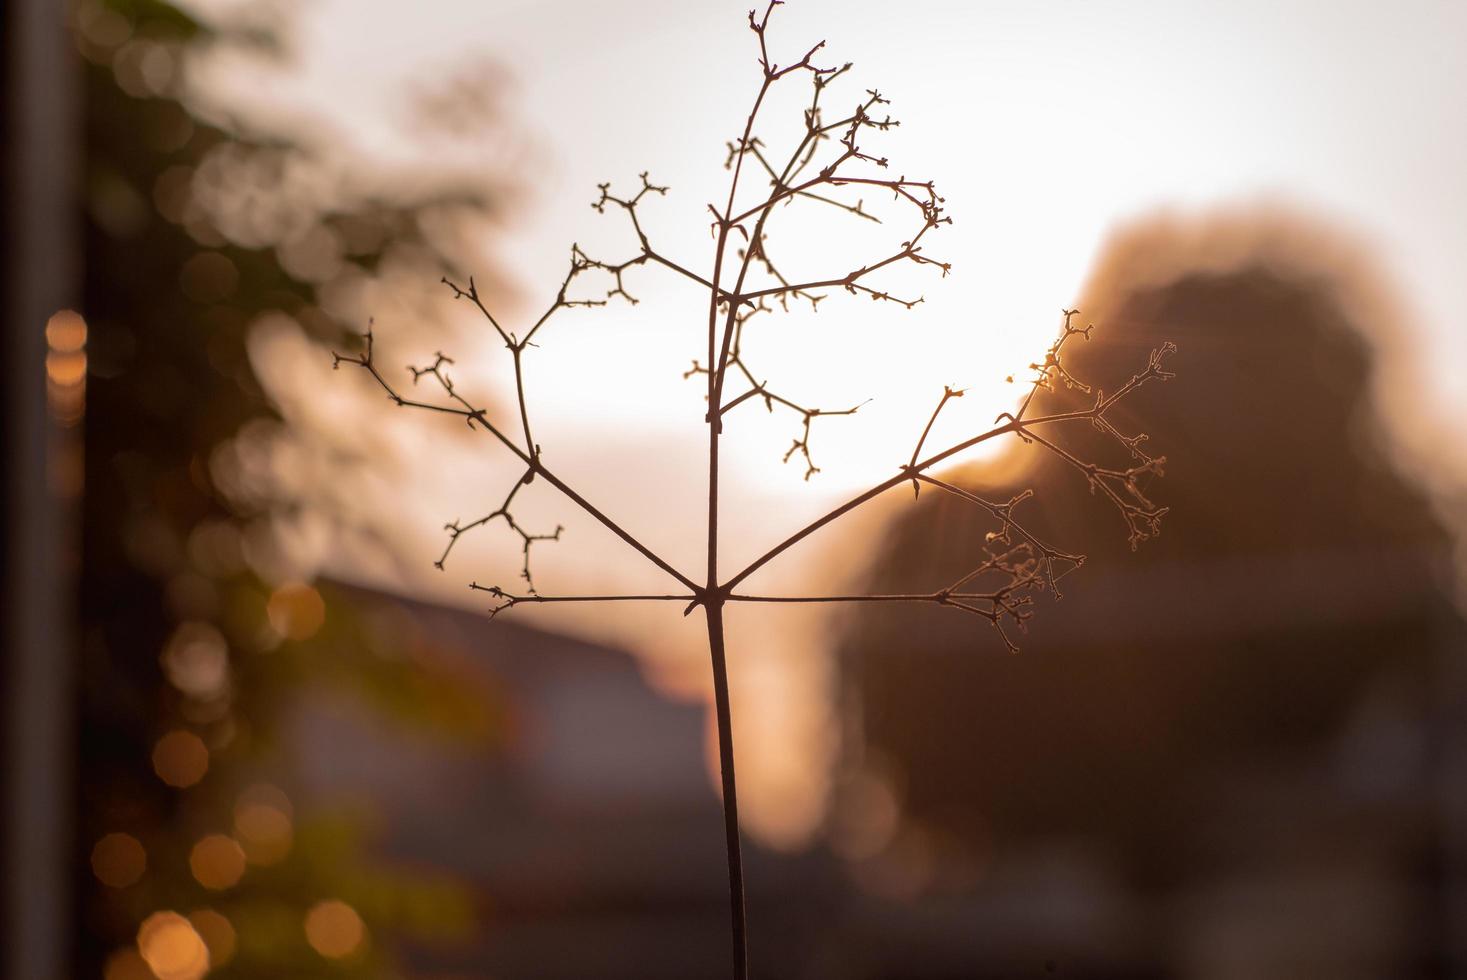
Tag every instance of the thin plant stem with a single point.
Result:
(738, 916)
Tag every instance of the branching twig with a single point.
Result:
(531, 457)
(745, 281)
(509, 600)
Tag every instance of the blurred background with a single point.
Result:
(252, 731)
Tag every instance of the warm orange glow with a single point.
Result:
(296, 611)
(217, 861)
(218, 934)
(127, 964)
(67, 403)
(180, 759)
(66, 368)
(262, 821)
(66, 332)
(118, 860)
(172, 947)
(334, 929)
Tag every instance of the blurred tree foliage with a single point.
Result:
(194, 232)
(1298, 572)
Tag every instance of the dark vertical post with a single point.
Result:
(36, 689)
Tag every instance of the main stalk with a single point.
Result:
(713, 603)
(730, 792)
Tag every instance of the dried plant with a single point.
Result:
(825, 168)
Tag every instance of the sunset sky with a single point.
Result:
(1046, 125)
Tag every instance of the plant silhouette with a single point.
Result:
(826, 166)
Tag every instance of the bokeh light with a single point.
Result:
(262, 822)
(66, 331)
(127, 964)
(180, 759)
(119, 860)
(296, 611)
(334, 929)
(217, 862)
(172, 947)
(196, 661)
(218, 934)
(102, 26)
(66, 366)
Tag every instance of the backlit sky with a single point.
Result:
(1046, 124)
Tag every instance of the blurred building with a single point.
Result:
(1237, 753)
(590, 833)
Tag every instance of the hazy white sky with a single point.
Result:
(1045, 124)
